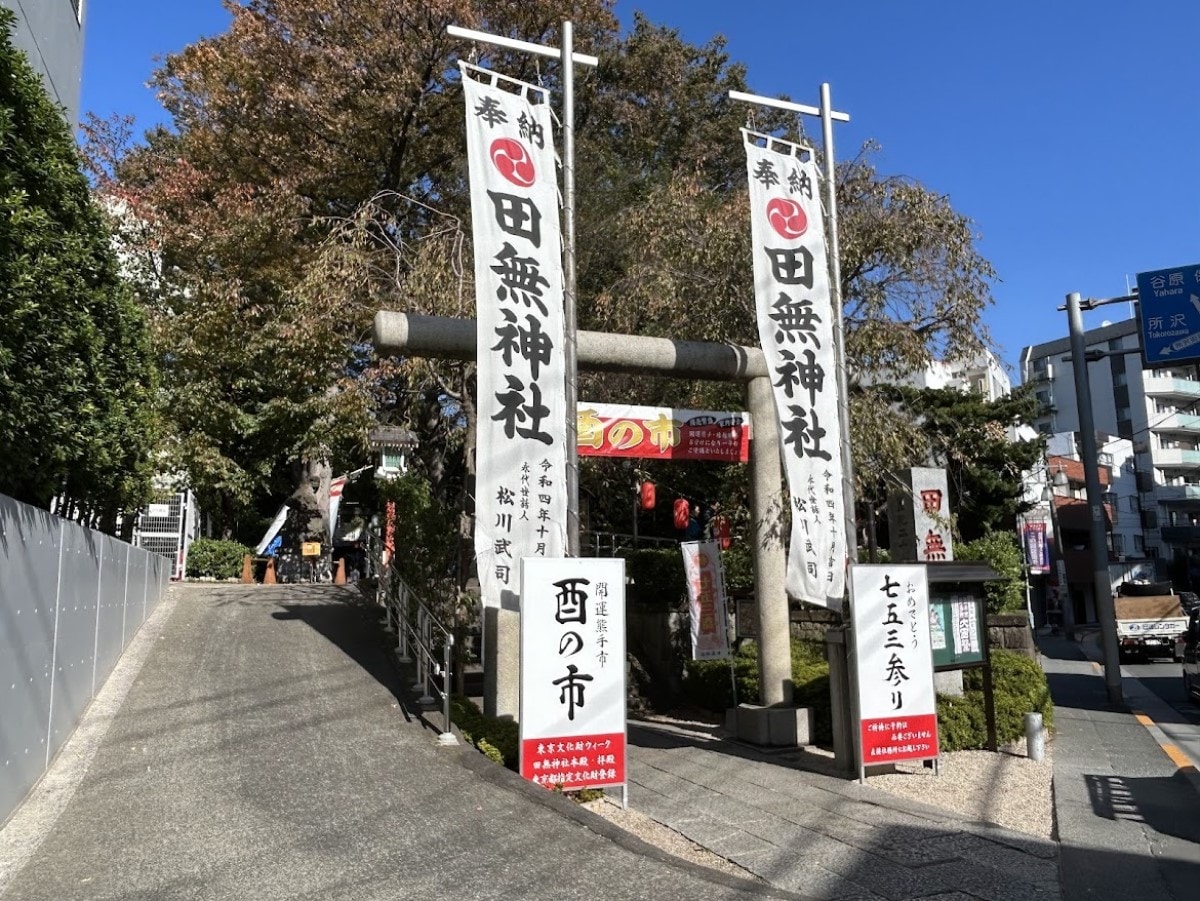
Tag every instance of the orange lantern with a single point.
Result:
(647, 495)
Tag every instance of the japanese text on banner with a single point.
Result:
(795, 328)
(521, 501)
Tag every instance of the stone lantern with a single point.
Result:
(389, 444)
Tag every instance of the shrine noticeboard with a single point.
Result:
(957, 630)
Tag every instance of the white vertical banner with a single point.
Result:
(893, 649)
(707, 604)
(795, 327)
(521, 461)
(573, 728)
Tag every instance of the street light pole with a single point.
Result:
(1088, 451)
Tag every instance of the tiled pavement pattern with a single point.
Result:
(825, 837)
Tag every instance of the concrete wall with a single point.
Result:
(51, 34)
(70, 601)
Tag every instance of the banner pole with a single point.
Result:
(839, 344)
(569, 322)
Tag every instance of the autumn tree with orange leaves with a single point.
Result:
(314, 173)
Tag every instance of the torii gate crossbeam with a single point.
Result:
(455, 339)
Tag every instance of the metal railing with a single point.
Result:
(609, 544)
(422, 639)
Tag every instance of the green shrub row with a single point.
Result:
(498, 739)
(1019, 687)
(1018, 682)
(215, 558)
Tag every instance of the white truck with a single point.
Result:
(1148, 626)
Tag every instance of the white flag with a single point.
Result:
(521, 454)
(795, 327)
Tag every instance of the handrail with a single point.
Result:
(418, 630)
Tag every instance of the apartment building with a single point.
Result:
(51, 34)
(1157, 411)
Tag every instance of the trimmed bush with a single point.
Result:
(1019, 684)
(1020, 688)
(214, 558)
(497, 739)
(708, 684)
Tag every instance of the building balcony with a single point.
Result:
(1177, 422)
(1173, 456)
(1187, 536)
(1177, 492)
(1166, 386)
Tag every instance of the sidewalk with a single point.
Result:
(1128, 819)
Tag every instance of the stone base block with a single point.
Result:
(779, 727)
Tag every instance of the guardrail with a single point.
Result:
(420, 637)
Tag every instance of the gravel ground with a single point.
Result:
(655, 833)
(1006, 788)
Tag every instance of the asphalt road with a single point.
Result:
(1179, 719)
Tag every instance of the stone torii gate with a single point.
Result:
(455, 339)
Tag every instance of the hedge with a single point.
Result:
(1019, 684)
(214, 558)
(1020, 688)
(498, 739)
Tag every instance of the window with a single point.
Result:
(1114, 344)
(1139, 544)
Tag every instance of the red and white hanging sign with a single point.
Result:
(521, 498)
(662, 433)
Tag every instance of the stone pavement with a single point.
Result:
(826, 836)
(263, 746)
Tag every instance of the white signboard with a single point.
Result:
(573, 671)
(896, 699)
(521, 497)
(706, 599)
(795, 328)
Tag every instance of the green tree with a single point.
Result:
(970, 437)
(77, 380)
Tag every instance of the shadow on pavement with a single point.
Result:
(1151, 800)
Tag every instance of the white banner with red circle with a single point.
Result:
(521, 464)
(795, 327)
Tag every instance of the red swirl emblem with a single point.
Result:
(787, 217)
(513, 160)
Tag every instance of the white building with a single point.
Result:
(984, 374)
(1156, 412)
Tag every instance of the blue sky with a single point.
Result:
(1068, 131)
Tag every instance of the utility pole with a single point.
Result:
(1102, 582)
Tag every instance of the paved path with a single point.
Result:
(826, 836)
(261, 753)
(1128, 816)
(262, 750)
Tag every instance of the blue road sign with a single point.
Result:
(1169, 307)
